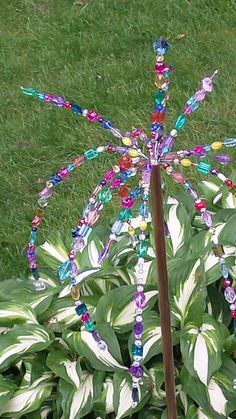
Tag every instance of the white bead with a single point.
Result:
(214, 239)
(138, 342)
(173, 133)
(100, 149)
(232, 307)
(141, 236)
(139, 288)
(221, 176)
(141, 260)
(85, 111)
(112, 237)
(138, 319)
(138, 311)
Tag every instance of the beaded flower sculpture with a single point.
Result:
(133, 161)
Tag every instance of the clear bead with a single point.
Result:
(39, 285)
(102, 345)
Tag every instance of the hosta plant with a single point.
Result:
(52, 368)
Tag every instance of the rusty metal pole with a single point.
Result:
(163, 292)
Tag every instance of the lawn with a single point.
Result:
(99, 54)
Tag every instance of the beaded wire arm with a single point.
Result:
(131, 163)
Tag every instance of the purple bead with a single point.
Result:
(207, 84)
(96, 336)
(222, 158)
(59, 101)
(136, 371)
(199, 150)
(140, 299)
(74, 271)
(31, 255)
(138, 328)
(166, 230)
(46, 193)
(214, 172)
(200, 95)
(78, 244)
(230, 295)
(135, 394)
(103, 182)
(104, 252)
(206, 217)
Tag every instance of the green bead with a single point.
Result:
(160, 96)
(142, 248)
(125, 214)
(28, 91)
(105, 196)
(91, 154)
(40, 96)
(203, 168)
(166, 74)
(180, 122)
(90, 326)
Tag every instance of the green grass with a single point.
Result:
(98, 53)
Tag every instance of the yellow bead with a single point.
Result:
(133, 152)
(131, 230)
(216, 145)
(75, 293)
(160, 58)
(160, 82)
(186, 162)
(143, 225)
(116, 169)
(126, 141)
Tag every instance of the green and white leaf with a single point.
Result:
(156, 374)
(118, 309)
(62, 366)
(83, 343)
(23, 339)
(7, 388)
(12, 313)
(29, 398)
(201, 346)
(188, 291)
(179, 227)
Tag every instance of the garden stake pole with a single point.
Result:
(163, 293)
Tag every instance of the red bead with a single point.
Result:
(110, 147)
(229, 183)
(233, 314)
(227, 283)
(71, 256)
(67, 105)
(200, 205)
(123, 191)
(125, 162)
(158, 117)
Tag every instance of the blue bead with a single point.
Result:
(77, 109)
(135, 394)
(55, 178)
(73, 281)
(107, 124)
(160, 46)
(123, 176)
(135, 193)
(165, 149)
(117, 227)
(70, 167)
(33, 236)
(143, 210)
(229, 142)
(85, 230)
(191, 101)
(75, 232)
(195, 105)
(40, 96)
(207, 148)
(137, 350)
(159, 108)
(81, 309)
(65, 270)
(155, 127)
(224, 271)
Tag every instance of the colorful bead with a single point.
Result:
(90, 326)
(203, 168)
(64, 270)
(180, 122)
(131, 230)
(127, 202)
(125, 214)
(216, 145)
(143, 225)
(75, 292)
(200, 205)
(91, 154)
(127, 141)
(218, 250)
(105, 196)
(137, 350)
(133, 152)
(123, 191)
(222, 158)
(229, 142)
(125, 162)
(142, 248)
(186, 162)
(81, 309)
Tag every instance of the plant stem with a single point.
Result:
(162, 284)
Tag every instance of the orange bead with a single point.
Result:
(125, 162)
(158, 117)
(123, 191)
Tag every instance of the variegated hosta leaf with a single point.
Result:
(156, 374)
(118, 309)
(62, 366)
(61, 314)
(123, 394)
(201, 345)
(28, 398)
(103, 405)
(83, 343)
(23, 339)
(188, 291)
(216, 400)
(7, 388)
(120, 250)
(78, 402)
(12, 313)
(217, 305)
(178, 223)
(149, 275)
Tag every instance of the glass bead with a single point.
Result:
(222, 158)
(229, 142)
(143, 225)
(123, 191)
(64, 270)
(96, 336)
(42, 202)
(200, 205)
(75, 292)
(127, 202)
(28, 91)
(136, 371)
(90, 326)
(76, 109)
(186, 162)
(58, 101)
(35, 273)
(180, 122)
(91, 154)
(126, 141)
(203, 168)
(33, 236)
(178, 177)
(105, 196)
(135, 396)
(224, 270)
(102, 345)
(125, 214)
(39, 285)
(216, 145)
(160, 44)
(144, 210)
(206, 217)
(46, 193)
(218, 250)
(81, 309)
(133, 152)
(137, 350)
(107, 125)
(85, 317)
(92, 116)
(229, 183)
(125, 162)
(230, 295)
(36, 221)
(140, 299)
(55, 178)
(117, 227)
(142, 248)
(200, 95)
(131, 230)
(158, 117)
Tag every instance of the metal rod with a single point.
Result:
(163, 292)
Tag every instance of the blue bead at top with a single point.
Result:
(81, 309)
(65, 270)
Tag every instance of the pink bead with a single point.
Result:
(199, 150)
(115, 183)
(92, 116)
(227, 283)
(207, 84)
(136, 133)
(85, 317)
(178, 177)
(47, 98)
(63, 172)
(200, 95)
(78, 161)
(36, 221)
(33, 265)
(46, 193)
(92, 217)
(146, 176)
(187, 110)
(127, 203)
(109, 175)
(171, 156)
(160, 68)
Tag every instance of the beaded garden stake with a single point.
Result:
(133, 161)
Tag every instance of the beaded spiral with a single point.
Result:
(132, 162)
